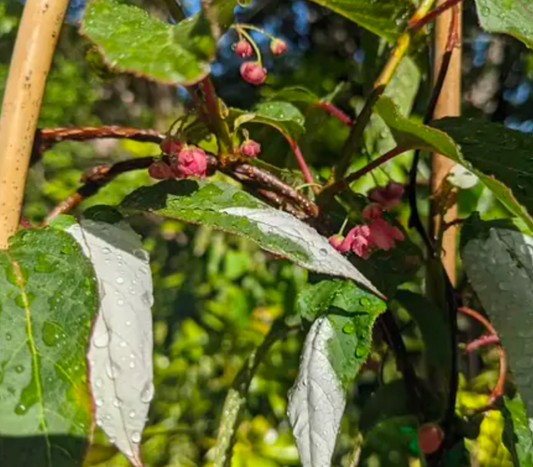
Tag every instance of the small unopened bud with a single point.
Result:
(430, 437)
(253, 73)
(243, 49)
(278, 47)
(250, 148)
(191, 161)
(171, 147)
(161, 171)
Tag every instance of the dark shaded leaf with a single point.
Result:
(516, 432)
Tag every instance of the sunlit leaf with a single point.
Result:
(514, 17)
(120, 352)
(517, 433)
(48, 298)
(129, 40)
(225, 207)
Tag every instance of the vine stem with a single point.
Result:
(433, 14)
(355, 137)
(484, 340)
(236, 397)
(335, 112)
(344, 184)
(32, 57)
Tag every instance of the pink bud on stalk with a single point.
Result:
(191, 161)
(243, 49)
(253, 73)
(250, 148)
(278, 47)
(171, 147)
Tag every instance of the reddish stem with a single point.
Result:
(345, 182)
(335, 112)
(308, 176)
(418, 24)
(487, 339)
(499, 387)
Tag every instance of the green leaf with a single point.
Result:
(222, 10)
(131, 41)
(430, 320)
(281, 115)
(336, 295)
(295, 94)
(227, 208)
(514, 17)
(478, 146)
(386, 18)
(48, 298)
(516, 432)
(499, 266)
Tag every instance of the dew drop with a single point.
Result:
(99, 383)
(112, 370)
(128, 323)
(99, 402)
(19, 368)
(132, 414)
(348, 328)
(147, 393)
(323, 251)
(119, 280)
(132, 365)
(106, 251)
(364, 302)
(120, 302)
(101, 340)
(8, 337)
(20, 409)
(123, 343)
(136, 437)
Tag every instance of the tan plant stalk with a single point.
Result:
(36, 41)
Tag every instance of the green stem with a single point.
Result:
(353, 143)
(254, 28)
(253, 44)
(236, 397)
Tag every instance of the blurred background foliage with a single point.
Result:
(216, 296)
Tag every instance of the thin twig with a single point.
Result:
(433, 14)
(498, 389)
(486, 339)
(344, 184)
(335, 112)
(51, 136)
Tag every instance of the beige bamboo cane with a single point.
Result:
(36, 41)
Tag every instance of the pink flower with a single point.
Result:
(388, 196)
(191, 161)
(372, 211)
(161, 171)
(250, 148)
(243, 49)
(277, 46)
(384, 235)
(360, 240)
(171, 147)
(337, 242)
(253, 73)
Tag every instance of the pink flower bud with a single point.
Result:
(360, 240)
(243, 49)
(388, 196)
(161, 171)
(277, 46)
(253, 73)
(191, 161)
(384, 235)
(336, 241)
(171, 147)
(250, 148)
(372, 211)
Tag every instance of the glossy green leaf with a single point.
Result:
(336, 295)
(48, 298)
(499, 266)
(430, 320)
(516, 433)
(479, 146)
(295, 94)
(386, 18)
(222, 10)
(130, 41)
(514, 17)
(225, 207)
(281, 115)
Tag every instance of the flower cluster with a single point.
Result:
(252, 71)
(185, 161)
(377, 233)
